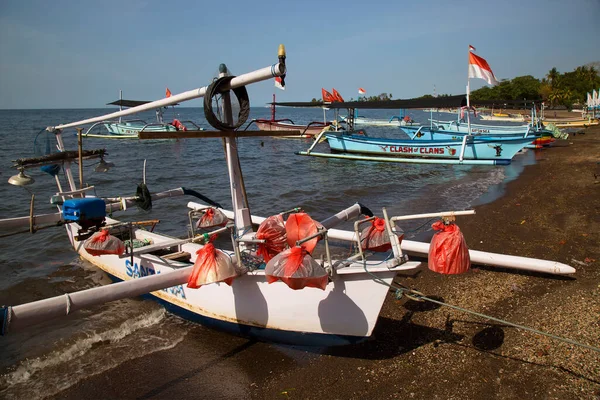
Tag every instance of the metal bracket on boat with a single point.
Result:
(398, 256)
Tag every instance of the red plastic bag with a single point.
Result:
(272, 230)
(212, 218)
(104, 243)
(375, 237)
(212, 265)
(448, 251)
(297, 269)
(299, 226)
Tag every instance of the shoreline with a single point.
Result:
(419, 350)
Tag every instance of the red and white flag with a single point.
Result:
(167, 93)
(479, 68)
(279, 83)
(471, 48)
(361, 91)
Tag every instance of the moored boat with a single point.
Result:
(499, 150)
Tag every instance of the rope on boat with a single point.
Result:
(418, 296)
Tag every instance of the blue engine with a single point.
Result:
(86, 212)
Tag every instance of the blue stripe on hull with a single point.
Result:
(254, 332)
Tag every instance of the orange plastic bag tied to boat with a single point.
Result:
(272, 230)
(212, 265)
(297, 269)
(300, 226)
(102, 243)
(448, 251)
(375, 237)
(212, 218)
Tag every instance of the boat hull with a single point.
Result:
(475, 149)
(133, 128)
(304, 131)
(345, 312)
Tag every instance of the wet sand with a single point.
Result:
(423, 351)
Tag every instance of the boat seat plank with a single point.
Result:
(182, 256)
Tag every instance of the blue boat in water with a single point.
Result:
(499, 150)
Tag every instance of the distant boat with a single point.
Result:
(307, 131)
(130, 129)
(503, 117)
(394, 121)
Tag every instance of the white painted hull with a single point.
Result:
(348, 307)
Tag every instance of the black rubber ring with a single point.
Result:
(240, 93)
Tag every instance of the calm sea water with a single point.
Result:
(48, 358)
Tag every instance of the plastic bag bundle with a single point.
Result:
(448, 251)
(272, 230)
(211, 218)
(297, 269)
(104, 243)
(375, 237)
(212, 265)
(299, 226)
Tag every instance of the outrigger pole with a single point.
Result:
(274, 70)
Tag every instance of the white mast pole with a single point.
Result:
(120, 102)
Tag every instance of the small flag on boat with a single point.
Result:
(167, 93)
(479, 68)
(279, 83)
(327, 97)
(471, 48)
(337, 96)
(361, 91)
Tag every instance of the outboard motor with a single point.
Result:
(89, 213)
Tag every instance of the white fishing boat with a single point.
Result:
(339, 302)
(130, 129)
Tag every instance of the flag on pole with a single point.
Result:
(471, 48)
(279, 83)
(167, 93)
(595, 100)
(589, 100)
(337, 96)
(361, 91)
(327, 97)
(479, 68)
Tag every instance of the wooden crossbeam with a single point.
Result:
(213, 134)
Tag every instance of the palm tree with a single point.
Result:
(552, 75)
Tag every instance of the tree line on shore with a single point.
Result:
(555, 89)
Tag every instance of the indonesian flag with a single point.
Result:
(279, 83)
(361, 91)
(595, 99)
(479, 68)
(337, 96)
(327, 97)
(471, 48)
(167, 93)
(589, 100)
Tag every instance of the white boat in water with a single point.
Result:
(255, 299)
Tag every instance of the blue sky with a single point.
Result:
(78, 54)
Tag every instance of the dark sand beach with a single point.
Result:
(423, 351)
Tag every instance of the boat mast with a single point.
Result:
(120, 102)
(273, 109)
(242, 218)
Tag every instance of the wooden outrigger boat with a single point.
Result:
(344, 309)
(308, 131)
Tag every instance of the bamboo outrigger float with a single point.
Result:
(344, 310)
